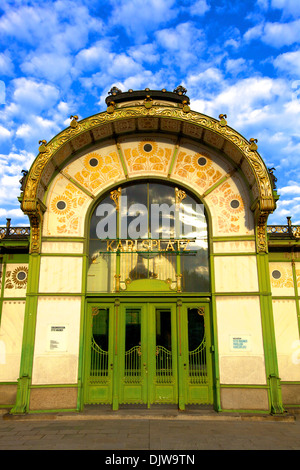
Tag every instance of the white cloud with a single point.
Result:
(36, 129)
(11, 166)
(147, 53)
(33, 96)
(199, 8)
(236, 66)
(6, 64)
(275, 34)
(96, 56)
(182, 46)
(289, 62)
(290, 189)
(51, 66)
(138, 17)
(54, 26)
(4, 133)
(287, 6)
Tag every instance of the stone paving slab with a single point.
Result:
(154, 431)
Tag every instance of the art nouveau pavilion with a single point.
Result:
(209, 316)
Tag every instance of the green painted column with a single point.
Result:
(275, 397)
(24, 381)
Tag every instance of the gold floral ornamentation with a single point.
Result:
(98, 170)
(65, 207)
(68, 217)
(228, 214)
(148, 156)
(298, 277)
(17, 278)
(192, 117)
(203, 175)
(30, 204)
(285, 278)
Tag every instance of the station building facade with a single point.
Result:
(148, 274)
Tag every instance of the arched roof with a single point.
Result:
(147, 111)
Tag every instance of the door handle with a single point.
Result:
(111, 366)
(145, 367)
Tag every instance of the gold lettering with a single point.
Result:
(128, 245)
(145, 244)
(120, 246)
(186, 242)
(153, 244)
(109, 246)
(171, 245)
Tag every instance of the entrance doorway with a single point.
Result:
(150, 352)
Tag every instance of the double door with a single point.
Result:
(148, 353)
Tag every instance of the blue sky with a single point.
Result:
(240, 58)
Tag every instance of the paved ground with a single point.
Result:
(178, 432)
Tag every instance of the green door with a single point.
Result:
(99, 353)
(148, 353)
(195, 355)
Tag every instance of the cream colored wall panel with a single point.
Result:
(60, 274)
(11, 334)
(15, 282)
(236, 274)
(62, 247)
(237, 246)
(57, 341)
(281, 275)
(241, 353)
(287, 339)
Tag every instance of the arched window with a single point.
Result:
(148, 236)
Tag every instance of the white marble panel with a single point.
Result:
(57, 341)
(236, 273)
(287, 339)
(11, 334)
(60, 274)
(239, 320)
(236, 246)
(62, 247)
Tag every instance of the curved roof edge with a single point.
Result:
(208, 130)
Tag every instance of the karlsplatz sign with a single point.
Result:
(159, 227)
(148, 245)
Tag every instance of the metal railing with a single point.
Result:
(289, 230)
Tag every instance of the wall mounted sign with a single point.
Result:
(240, 343)
(57, 338)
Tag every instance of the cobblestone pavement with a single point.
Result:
(141, 432)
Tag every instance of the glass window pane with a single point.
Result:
(133, 328)
(133, 351)
(102, 268)
(163, 346)
(151, 238)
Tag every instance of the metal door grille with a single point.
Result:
(163, 365)
(197, 364)
(133, 365)
(99, 364)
